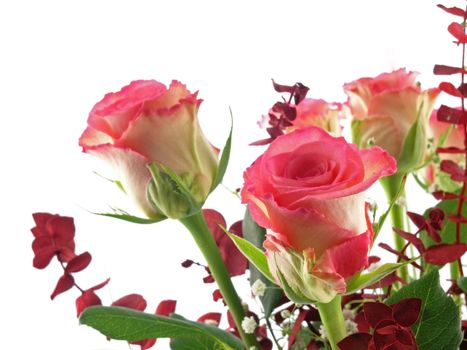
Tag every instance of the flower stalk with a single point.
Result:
(333, 320)
(198, 228)
(392, 187)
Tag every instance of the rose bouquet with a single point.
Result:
(306, 241)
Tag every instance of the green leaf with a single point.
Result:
(413, 149)
(131, 325)
(253, 254)
(205, 343)
(255, 234)
(462, 283)
(386, 182)
(224, 161)
(439, 325)
(364, 280)
(123, 215)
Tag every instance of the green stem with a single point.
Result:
(455, 274)
(333, 320)
(206, 243)
(392, 187)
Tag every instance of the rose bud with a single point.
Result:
(311, 112)
(392, 111)
(147, 125)
(444, 135)
(307, 190)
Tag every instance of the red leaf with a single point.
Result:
(417, 219)
(187, 263)
(451, 115)
(453, 169)
(296, 327)
(64, 283)
(450, 150)
(375, 312)
(131, 301)
(450, 89)
(87, 299)
(457, 31)
(405, 337)
(412, 239)
(212, 316)
(444, 253)
(166, 307)
(407, 311)
(453, 10)
(43, 257)
(441, 69)
(78, 263)
(357, 341)
(373, 259)
(216, 295)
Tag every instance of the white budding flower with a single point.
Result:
(249, 325)
(348, 314)
(350, 326)
(285, 313)
(258, 288)
(322, 332)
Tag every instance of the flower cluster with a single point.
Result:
(308, 231)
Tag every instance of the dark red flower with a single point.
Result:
(53, 235)
(385, 327)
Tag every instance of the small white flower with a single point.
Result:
(285, 313)
(258, 288)
(322, 332)
(249, 325)
(211, 322)
(350, 327)
(348, 314)
(401, 202)
(253, 348)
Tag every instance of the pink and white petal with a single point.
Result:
(347, 258)
(131, 169)
(170, 98)
(348, 211)
(115, 111)
(303, 228)
(92, 137)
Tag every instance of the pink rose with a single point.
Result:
(453, 137)
(307, 189)
(311, 112)
(392, 111)
(147, 123)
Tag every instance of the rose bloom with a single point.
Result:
(453, 138)
(325, 115)
(385, 108)
(307, 189)
(311, 112)
(147, 123)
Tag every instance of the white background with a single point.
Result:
(58, 58)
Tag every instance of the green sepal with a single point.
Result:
(364, 280)
(123, 215)
(414, 148)
(253, 254)
(224, 161)
(171, 194)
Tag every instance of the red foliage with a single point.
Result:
(385, 327)
(53, 236)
